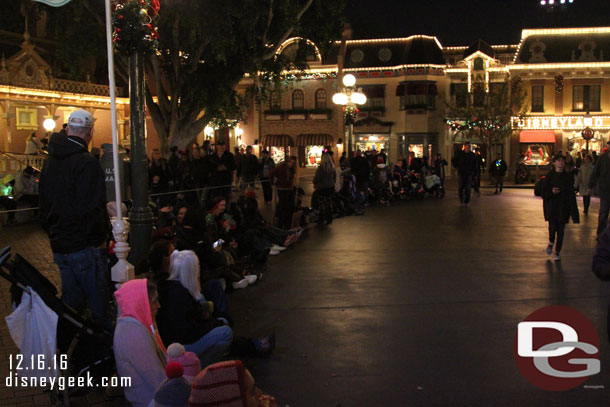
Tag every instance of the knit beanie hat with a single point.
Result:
(175, 391)
(189, 361)
(220, 384)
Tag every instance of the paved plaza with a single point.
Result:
(412, 305)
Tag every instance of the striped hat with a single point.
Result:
(220, 385)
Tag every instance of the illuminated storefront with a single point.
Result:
(370, 142)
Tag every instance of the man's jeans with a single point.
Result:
(84, 280)
(212, 346)
(465, 183)
(604, 210)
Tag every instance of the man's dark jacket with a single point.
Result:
(465, 162)
(361, 169)
(222, 177)
(72, 196)
(601, 176)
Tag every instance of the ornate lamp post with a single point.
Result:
(349, 97)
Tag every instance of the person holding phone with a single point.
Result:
(559, 200)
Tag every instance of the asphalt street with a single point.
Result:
(418, 305)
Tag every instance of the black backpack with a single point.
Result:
(539, 187)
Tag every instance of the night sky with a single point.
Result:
(461, 22)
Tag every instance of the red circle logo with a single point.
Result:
(557, 348)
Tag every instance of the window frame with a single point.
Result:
(301, 98)
(537, 98)
(319, 99)
(588, 95)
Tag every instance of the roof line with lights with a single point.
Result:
(558, 31)
(384, 40)
(78, 97)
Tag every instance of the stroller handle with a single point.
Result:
(5, 254)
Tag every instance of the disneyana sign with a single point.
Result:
(560, 122)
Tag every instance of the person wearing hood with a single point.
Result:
(138, 350)
(324, 185)
(72, 209)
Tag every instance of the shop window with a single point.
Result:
(586, 98)
(321, 99)
(274, 100)
(298, 102)
(419, 96)
(537, 98)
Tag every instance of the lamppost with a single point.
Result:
(587, 133)
(349, 97)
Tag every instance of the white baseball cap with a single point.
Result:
(80, 118)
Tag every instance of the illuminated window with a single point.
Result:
(320, 99)
(586, 98)
(537, 98)
(27, 119)
(298, 101)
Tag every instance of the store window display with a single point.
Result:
(536, 154)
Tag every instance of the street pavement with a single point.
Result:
(416, 304)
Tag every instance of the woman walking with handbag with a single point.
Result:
(559, 201)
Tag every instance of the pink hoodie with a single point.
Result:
(132, 299)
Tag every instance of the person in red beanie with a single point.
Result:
(227, 384)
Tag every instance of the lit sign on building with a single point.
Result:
(561, 122)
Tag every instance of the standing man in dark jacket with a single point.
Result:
(283, 177)
(466, 162)
(479, 170)
(498, 172)
(222, 166)
(266, 165)
(361, 170)
(73, 211)
(601, 177)
(249, 169)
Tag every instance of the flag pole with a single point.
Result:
(122, 271)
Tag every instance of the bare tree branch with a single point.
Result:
(268, 55)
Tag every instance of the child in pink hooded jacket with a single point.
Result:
(138, 349)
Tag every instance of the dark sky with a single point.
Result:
(461, 22)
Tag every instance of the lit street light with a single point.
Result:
(350, 97)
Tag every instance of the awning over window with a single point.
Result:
(537, 136)
(276, 140)
(314, 140)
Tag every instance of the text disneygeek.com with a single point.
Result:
(62, 382)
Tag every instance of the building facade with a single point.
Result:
(409, 82)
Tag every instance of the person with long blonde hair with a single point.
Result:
(324, 185)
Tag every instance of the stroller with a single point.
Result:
(88, 347)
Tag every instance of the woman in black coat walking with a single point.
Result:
(559, 204)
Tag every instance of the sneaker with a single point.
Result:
(243, 283)
(278, 248)
(557, 257)
(264, 346)
(251, 278)
(273, 252)
(549, 249)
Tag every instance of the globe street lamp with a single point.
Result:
(349, 97)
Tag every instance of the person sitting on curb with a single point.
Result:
(228, 384)
(138, 350)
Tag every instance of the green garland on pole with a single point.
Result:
(134, 24)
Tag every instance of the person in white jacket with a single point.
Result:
(581, 182)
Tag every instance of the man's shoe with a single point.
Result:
(251, 278)
(243, 283)
(557, 257)
(278, 248)
(549, 249)
(273, 252)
